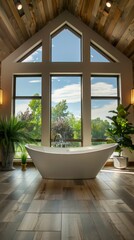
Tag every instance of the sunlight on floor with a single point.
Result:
(128, 170)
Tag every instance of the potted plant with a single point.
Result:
(23, 160)
(13, 133)
(121, 131)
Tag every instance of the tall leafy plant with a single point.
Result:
(121, 129)
(13, 133)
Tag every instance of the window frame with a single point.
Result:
(29, 53)
(106, 97)
(25, 97)
(78, 34)
(105, 55)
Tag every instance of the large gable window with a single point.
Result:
(52, 89)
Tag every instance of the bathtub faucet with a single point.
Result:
(58, 139)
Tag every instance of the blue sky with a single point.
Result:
(66, 47)
(67, 88)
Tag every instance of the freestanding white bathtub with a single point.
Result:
(70, 163)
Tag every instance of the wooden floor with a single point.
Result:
(32, 208)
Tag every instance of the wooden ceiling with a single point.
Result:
(115, 24)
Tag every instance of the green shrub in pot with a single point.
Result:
(121, 130)
(13, 133)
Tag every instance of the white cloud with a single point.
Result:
(32, 57)
(21, 108)
(103, 89)
(54, 78)
(35, 81)
(70, 92)
(39, 49)
(103, 111)
(29, 59)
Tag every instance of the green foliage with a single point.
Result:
(98, 128)
(121, 130)
(33, 117)
(35, 122)
(76, 126)
(13, 133)
(23, 157)
(62, 127)
(60, 124)
(60, 111)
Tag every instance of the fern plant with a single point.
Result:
(13, 133)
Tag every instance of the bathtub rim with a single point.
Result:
(70, 150)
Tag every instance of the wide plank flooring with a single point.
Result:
(32, 208)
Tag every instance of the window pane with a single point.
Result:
(100, 108)
(103, 86)
(99, 121)
(65, 109)
(66, 47)
(97, 56)
(35, 56)
(30, 110)
(21, 106)
(28, 86)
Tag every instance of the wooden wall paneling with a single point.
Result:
(126, 38)
(28, 20)
(89, 10)
(102, 21)
(99, 14)
(78, 8)
(7, 41)
(130, 49)
(18, 20)
(50, 9)
(94, 12)
(111, 21)
(46, 10)
(41, 10)
(8, 28)
(37, 15)
(4, 50)
(59, 5)
(123, 23)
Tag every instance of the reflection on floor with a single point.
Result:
(33, 208)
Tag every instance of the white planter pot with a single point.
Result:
(120, 162)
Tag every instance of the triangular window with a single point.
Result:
(66, 45)
(34, 55)
(96, 55)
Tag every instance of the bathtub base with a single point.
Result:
(70, 163)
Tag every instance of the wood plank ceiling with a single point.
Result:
(116, 24)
